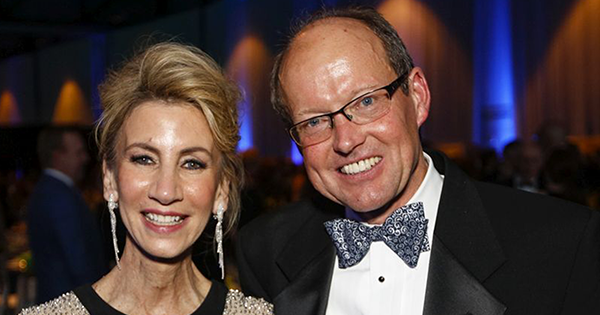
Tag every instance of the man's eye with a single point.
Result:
(367, 101)
(194, 165)
(312, 123)
(142, 159)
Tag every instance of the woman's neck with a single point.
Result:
(148, 286)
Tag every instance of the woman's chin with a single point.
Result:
(164, 252)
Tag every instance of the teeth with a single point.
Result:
(159, 219)
(360, 166)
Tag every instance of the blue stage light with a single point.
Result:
(493, 89)
(297, 158)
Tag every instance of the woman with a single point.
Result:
(167, 142)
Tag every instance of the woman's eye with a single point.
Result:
(142, 159)
(194, 165)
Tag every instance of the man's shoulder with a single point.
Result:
(517, 211)
(509, 198)
(288, 216)
(517, 218)
(52, 198)
(505, 204)
(49, 185)
(283, 222)
(533, 229)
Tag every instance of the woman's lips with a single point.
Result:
(163, 222)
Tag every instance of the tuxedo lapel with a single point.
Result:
(307, 263)
(465, 251)
(451, 289)
(309, 292)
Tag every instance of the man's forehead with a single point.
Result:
(337, 28)
(331, 43)
(332, 58)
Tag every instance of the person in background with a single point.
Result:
(64, 238)
(562, 175)
(167, 141)
(510, 158)
(528, 167)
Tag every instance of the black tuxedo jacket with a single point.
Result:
(495, 251)
(64, 238)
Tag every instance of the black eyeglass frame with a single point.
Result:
(390, 89)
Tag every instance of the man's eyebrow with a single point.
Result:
(311, 112)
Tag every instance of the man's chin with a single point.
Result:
(363, 209)
(367, 201)
(372, 210)
(374, 216)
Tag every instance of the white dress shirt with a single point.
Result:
(381, 283)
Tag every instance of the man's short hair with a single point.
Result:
(50, 140)
(396, 52)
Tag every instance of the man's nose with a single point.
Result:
(346, 135)
(166, 187)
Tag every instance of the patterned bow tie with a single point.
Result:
(404, 232)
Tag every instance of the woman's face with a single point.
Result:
(166, 177)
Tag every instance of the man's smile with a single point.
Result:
(360, 166)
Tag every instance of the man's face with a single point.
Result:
(73, 157)
(329, 64)
(530, 160)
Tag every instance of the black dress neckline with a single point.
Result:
(214, 303)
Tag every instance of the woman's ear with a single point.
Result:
(222, 196)
(109, 182)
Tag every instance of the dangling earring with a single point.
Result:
(219, 238)
(112, 205)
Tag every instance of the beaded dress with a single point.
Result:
(235, 303)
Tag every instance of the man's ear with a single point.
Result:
(109, 182)
(222, 196)
(419, 92)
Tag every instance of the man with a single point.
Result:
(448, 245)
(528, 167)
(64, 238)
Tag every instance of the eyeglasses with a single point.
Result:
(361, 110)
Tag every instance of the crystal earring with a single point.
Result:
(219, 238)
(112, 205)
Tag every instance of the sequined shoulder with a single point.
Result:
(237, 303)
(68, 303)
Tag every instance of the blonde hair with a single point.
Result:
(175, 73)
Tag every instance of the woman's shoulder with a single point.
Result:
(237, 303)
(68, 303)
